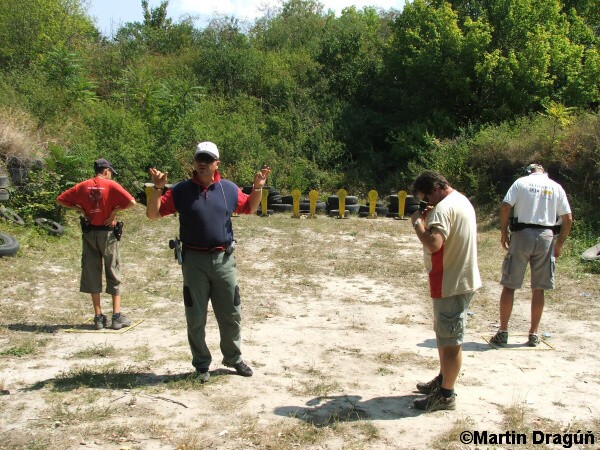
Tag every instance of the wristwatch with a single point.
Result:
(417, 222)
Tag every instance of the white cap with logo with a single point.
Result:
(207, 147)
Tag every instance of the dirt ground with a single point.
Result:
(336, 325)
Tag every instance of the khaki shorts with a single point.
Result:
(98, 247)
(450, 318)
(533, 246)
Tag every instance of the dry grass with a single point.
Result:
(284, 266)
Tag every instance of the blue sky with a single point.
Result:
(110, 14)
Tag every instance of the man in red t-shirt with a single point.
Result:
(98, 200)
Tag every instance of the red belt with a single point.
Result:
(217, 249)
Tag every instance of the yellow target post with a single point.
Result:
(401, 204)
(342, 194)
(313, 196)
(296, 203)
(263, 203)
(373, 196)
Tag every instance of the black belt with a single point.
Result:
(101, 227)
(516, 226)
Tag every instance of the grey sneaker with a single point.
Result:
(121, 322)
(500, 338)
(534, 340)
(100, 322)
(435, 402)
(429, 387)
(202, 375)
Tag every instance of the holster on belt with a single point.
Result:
(118, 230)
(85, 224)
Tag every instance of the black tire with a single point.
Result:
(3, 181)
(8, 245)
(410, 210)
(333, 202)
(11, 216)
(282, 207)
(54, 228)
(4, 195)
(287, 199)
(274, 200)
(336, 212)
(351, 200)
(382, 211)
(269, 212)
(353, 208)
(363, 209)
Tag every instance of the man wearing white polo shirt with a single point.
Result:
(540, 207)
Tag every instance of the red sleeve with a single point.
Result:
(119, 196)
(243, 205)
(167, 204)
(70, 196)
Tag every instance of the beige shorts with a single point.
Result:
(450, 319)
(100, 248)
(533, 246)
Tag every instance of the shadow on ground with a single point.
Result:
(326, 411)
(467, 346)
(111, 378)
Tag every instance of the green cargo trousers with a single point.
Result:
(212, 276)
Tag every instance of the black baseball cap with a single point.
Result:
(101, 164)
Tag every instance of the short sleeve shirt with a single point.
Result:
(537, 200)
(98, 197)
(453, 269)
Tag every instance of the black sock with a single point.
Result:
(117, 315)
(447, 393)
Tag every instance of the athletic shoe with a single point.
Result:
(429, 387)
(100, 322)
(242, 369)
(500, 338)
(534, 340)
(436, 402)
(202, 375)
(120, 322)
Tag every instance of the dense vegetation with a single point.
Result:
(363, 100)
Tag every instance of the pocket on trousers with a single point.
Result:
(236, 297)
(506, 265)
(447, 328)
(187, 297)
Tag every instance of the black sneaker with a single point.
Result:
(500, 338)
(242, 369)
(436, 402)
(100, 322)
(120, 322)
(429, 387)
(534, 340)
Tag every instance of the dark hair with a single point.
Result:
(428, 181)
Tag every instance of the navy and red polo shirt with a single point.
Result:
(205, 211)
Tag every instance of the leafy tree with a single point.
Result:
(29, 29)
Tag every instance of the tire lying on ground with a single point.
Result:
(336, 213)
(8, 245)
(282, 207)
(592, 253)
(11, 216)
(50, 226)
(4, 195)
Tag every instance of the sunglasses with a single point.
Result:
(205, 158)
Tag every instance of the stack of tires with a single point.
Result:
(333, 205)
(410, 205)
(380, 209)
(4, 194)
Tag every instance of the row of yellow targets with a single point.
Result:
(342, 194)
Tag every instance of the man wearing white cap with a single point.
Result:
(540, 207)
(205, 204)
